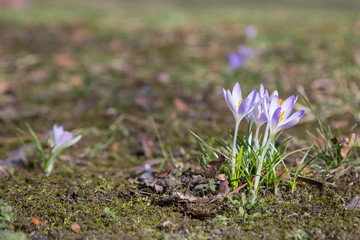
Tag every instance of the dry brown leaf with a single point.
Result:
(75, 227)
(6, 87)
(306, 214)
(180, 105)
(213, 167)
(115, 46)
(346, 145)
(357, 57)
(74, 81)
(200, 213)
(81, 34)
(180, 196)
(36, 221)
(342, 123)
(65, 61)
(306, 170)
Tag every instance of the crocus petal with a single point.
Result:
(287, 106)
(263, 119)
(275, 93)
(296, 98)
(72, 141)
(274, 105)
(236, 93)
(254, 97)
(262, 91)
(57, 131)
(266, 94)
(275, 120)
(266, 106)
(230, 102)
(244, 107)
(292, 120)
(62, 139)
(224, 94)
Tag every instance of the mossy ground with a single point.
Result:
(110, 71)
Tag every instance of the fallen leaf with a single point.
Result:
(306, 170)
(200, 213)
(213, 167)
(6, 87)
(342, 123)
(357, 57)
(36, 221)
(346, 145)
(314, 182)
(73, 82)
(81, 34)
(306, 214)
(181, 196)
(65, 61)
(75, 227)
(115, 46)
(114, 148)
(180, 105)
(224, 183)
(8, 114)
(147, 145)
(224, 187)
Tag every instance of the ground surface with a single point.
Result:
(116, 68)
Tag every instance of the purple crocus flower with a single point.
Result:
(258, 114)
(279, 114)
(246, 52)
(258, 103)
(239, 107)
(250, 31)
(235, 61)
(63, 139)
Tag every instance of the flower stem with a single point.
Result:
(234, 149)
(259, 167)
(256, 140)
(266, 134)
(250, 134)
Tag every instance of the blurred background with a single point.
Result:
(95, 64)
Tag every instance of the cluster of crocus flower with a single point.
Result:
(259, 108)
(237, 59)
(62, 140)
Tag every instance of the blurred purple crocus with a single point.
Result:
(279, 114)
(235, 61)
(250, 31)
(246, 52)
(63, 139)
